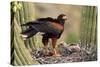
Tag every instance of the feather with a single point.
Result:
(45, 27)
(51, 27)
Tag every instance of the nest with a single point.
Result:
(67, 55)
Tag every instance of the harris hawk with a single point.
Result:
(52, 29)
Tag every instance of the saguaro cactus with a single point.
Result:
(20, 55)
(89, 30)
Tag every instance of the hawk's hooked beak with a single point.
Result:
(64, 17)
